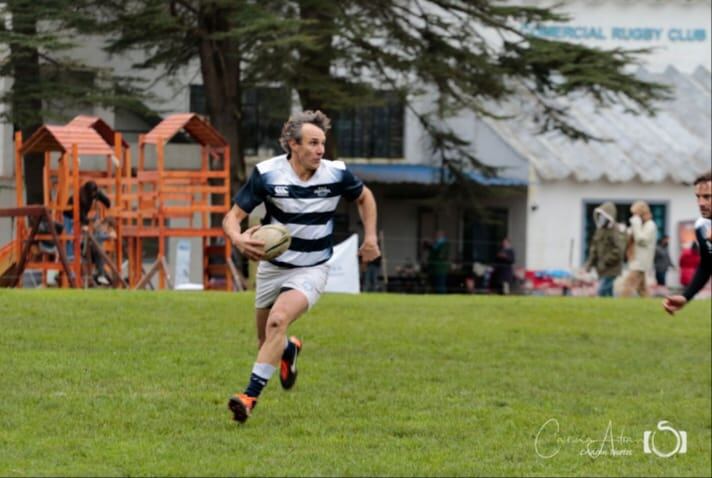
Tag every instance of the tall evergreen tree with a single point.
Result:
(233, 40)
(468, 54)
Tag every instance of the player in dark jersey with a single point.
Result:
(703, 233)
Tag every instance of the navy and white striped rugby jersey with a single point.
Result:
(306, 208)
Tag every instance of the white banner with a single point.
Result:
(182, 272)
(343, 272)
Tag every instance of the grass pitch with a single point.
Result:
(136, 383)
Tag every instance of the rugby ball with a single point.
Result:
(276, 238)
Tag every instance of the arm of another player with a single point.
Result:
(366, 203)
(674, 303)
(249, 247)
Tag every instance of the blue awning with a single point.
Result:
(420, 174)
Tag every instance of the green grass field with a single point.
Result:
(136, 383)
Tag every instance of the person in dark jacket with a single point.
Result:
(89, 193)
(439, 262)
(662, 261)
(703, 233)
(605, 254)
(503, 268)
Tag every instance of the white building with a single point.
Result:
(653, 159)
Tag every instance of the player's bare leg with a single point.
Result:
(261, 323)
(288, 307)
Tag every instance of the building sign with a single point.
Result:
(617, 33)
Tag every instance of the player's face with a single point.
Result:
(309, 151)
(703, 191)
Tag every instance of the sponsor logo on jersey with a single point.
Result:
(322, 191)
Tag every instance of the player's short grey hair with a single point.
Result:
(292, 129)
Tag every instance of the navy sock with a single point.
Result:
(289, 351)
(254, 388)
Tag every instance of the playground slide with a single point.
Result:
(7, 260)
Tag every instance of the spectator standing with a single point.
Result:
(606, 251)
(439, 262)
(662, 260)
(642, 236)
(370, 275)
(504, 268)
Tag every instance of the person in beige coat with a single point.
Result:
(642, 237)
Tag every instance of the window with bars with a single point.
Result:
(264, 112)
(371, 131)
(368, 132)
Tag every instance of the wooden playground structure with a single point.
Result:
(147, 204)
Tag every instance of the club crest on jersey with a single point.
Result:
(281, 191)
(322, 191)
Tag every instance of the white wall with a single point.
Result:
(399, 222)
(7, 199)
(172, 94)
(486, 145)
(7, 150)
(555, 216)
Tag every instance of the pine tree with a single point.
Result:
(467, 54)
(233, 40)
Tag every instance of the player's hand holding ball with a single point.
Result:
(250, 247)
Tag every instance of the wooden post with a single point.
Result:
(139, 203)
(75, 215)
(161, 213)
(127, 163)
(204, 196)
(132, 260)
(64, 184)
(47, 198)
(19, 193)
(226, 203)
(118, 152)
(45, 179)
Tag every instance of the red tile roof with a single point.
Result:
(61, 138)
(198, 129)
(99, 125)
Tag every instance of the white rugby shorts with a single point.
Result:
(310, 281)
